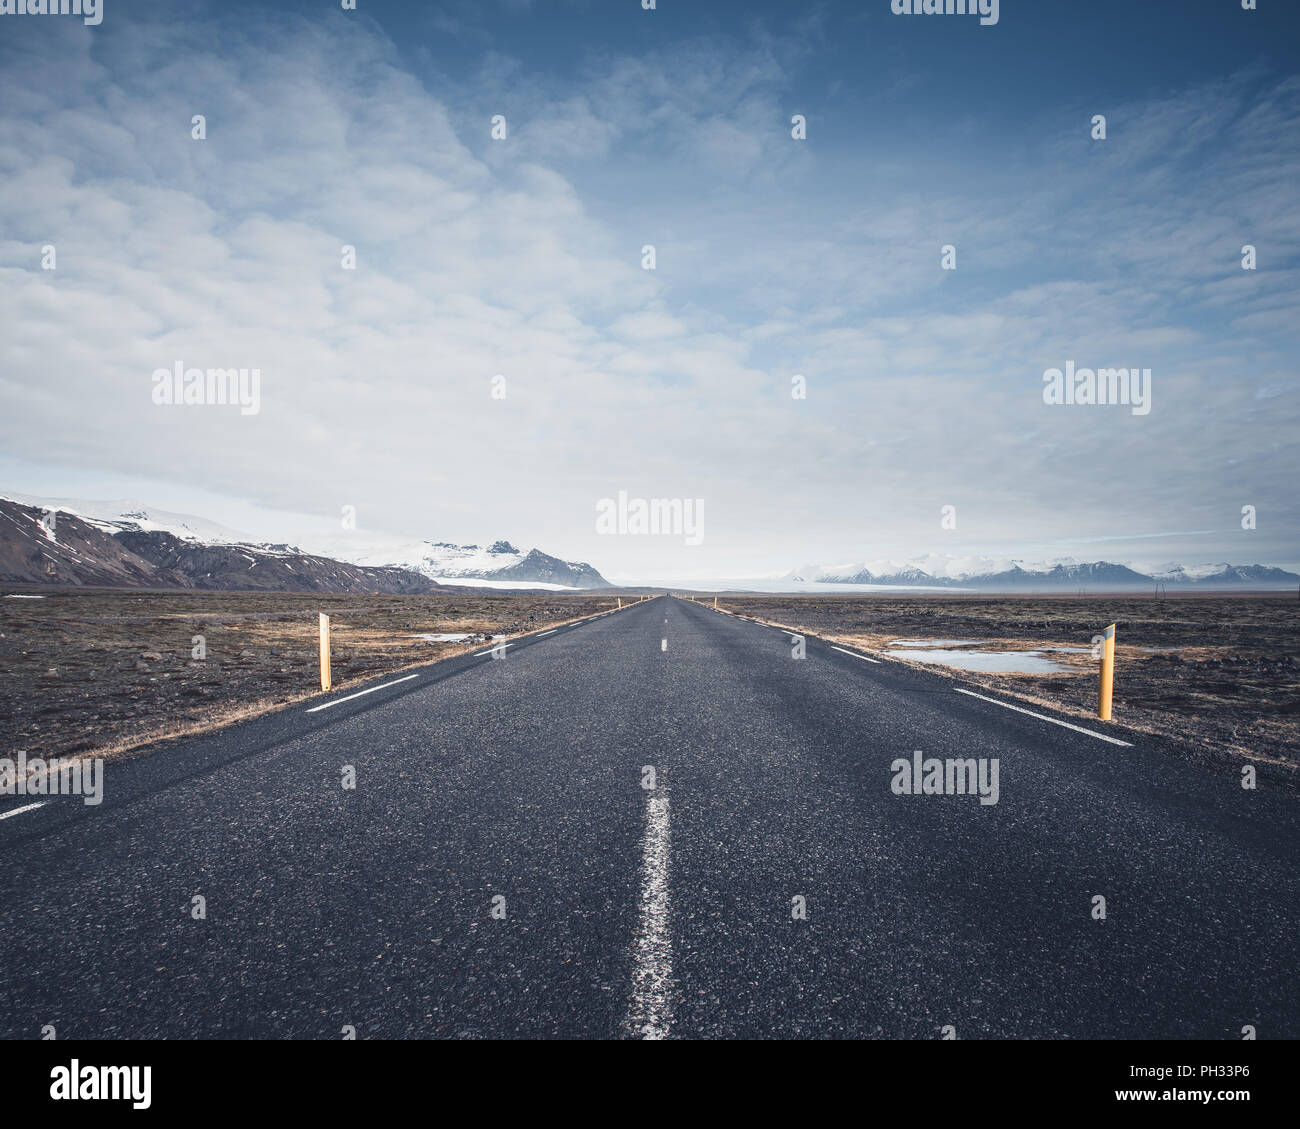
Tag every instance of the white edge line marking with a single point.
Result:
(1044, 717)
(864, 658)
(546, 633)
(502, 646)
(19, 811)
(362, 693)
(650, 1012)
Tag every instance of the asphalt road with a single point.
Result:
(664, 912)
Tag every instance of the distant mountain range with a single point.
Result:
(940, 571)
(127, 543)
(131, 544)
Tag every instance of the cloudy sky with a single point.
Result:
(774, 257)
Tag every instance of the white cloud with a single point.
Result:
(523, 258)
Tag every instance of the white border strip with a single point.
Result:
(499, 646)
(1044, 717)
(544, 634)
(864, 658)
(19, 811)
(362, 694)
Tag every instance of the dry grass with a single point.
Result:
(77, 681)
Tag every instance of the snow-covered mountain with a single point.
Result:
(137, 517)
(1264, 576)
(146, 529)
(54, 546)
(935, 566)
(944, 571)
(498, 564)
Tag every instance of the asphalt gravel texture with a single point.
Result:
(484, 877)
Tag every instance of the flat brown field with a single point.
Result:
(1225, 680)
(102, 672)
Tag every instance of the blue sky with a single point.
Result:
(775, 257)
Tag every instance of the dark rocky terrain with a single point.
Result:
(102, 671)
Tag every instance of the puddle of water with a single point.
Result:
(936, 642)
(990, 662)
(448, 638)
(1068, 650)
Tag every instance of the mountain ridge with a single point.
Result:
(1063, 575)
(126, 543)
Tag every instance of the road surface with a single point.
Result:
(501, 870)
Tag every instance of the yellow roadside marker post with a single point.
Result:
(325, 683)
(1107, 673)
(620, 603)
(715, 601)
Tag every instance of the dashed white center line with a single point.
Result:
(864, 658)
(19, 811)
(650, 1011)
(362, 694)
(663, 645)
(1044, 717)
